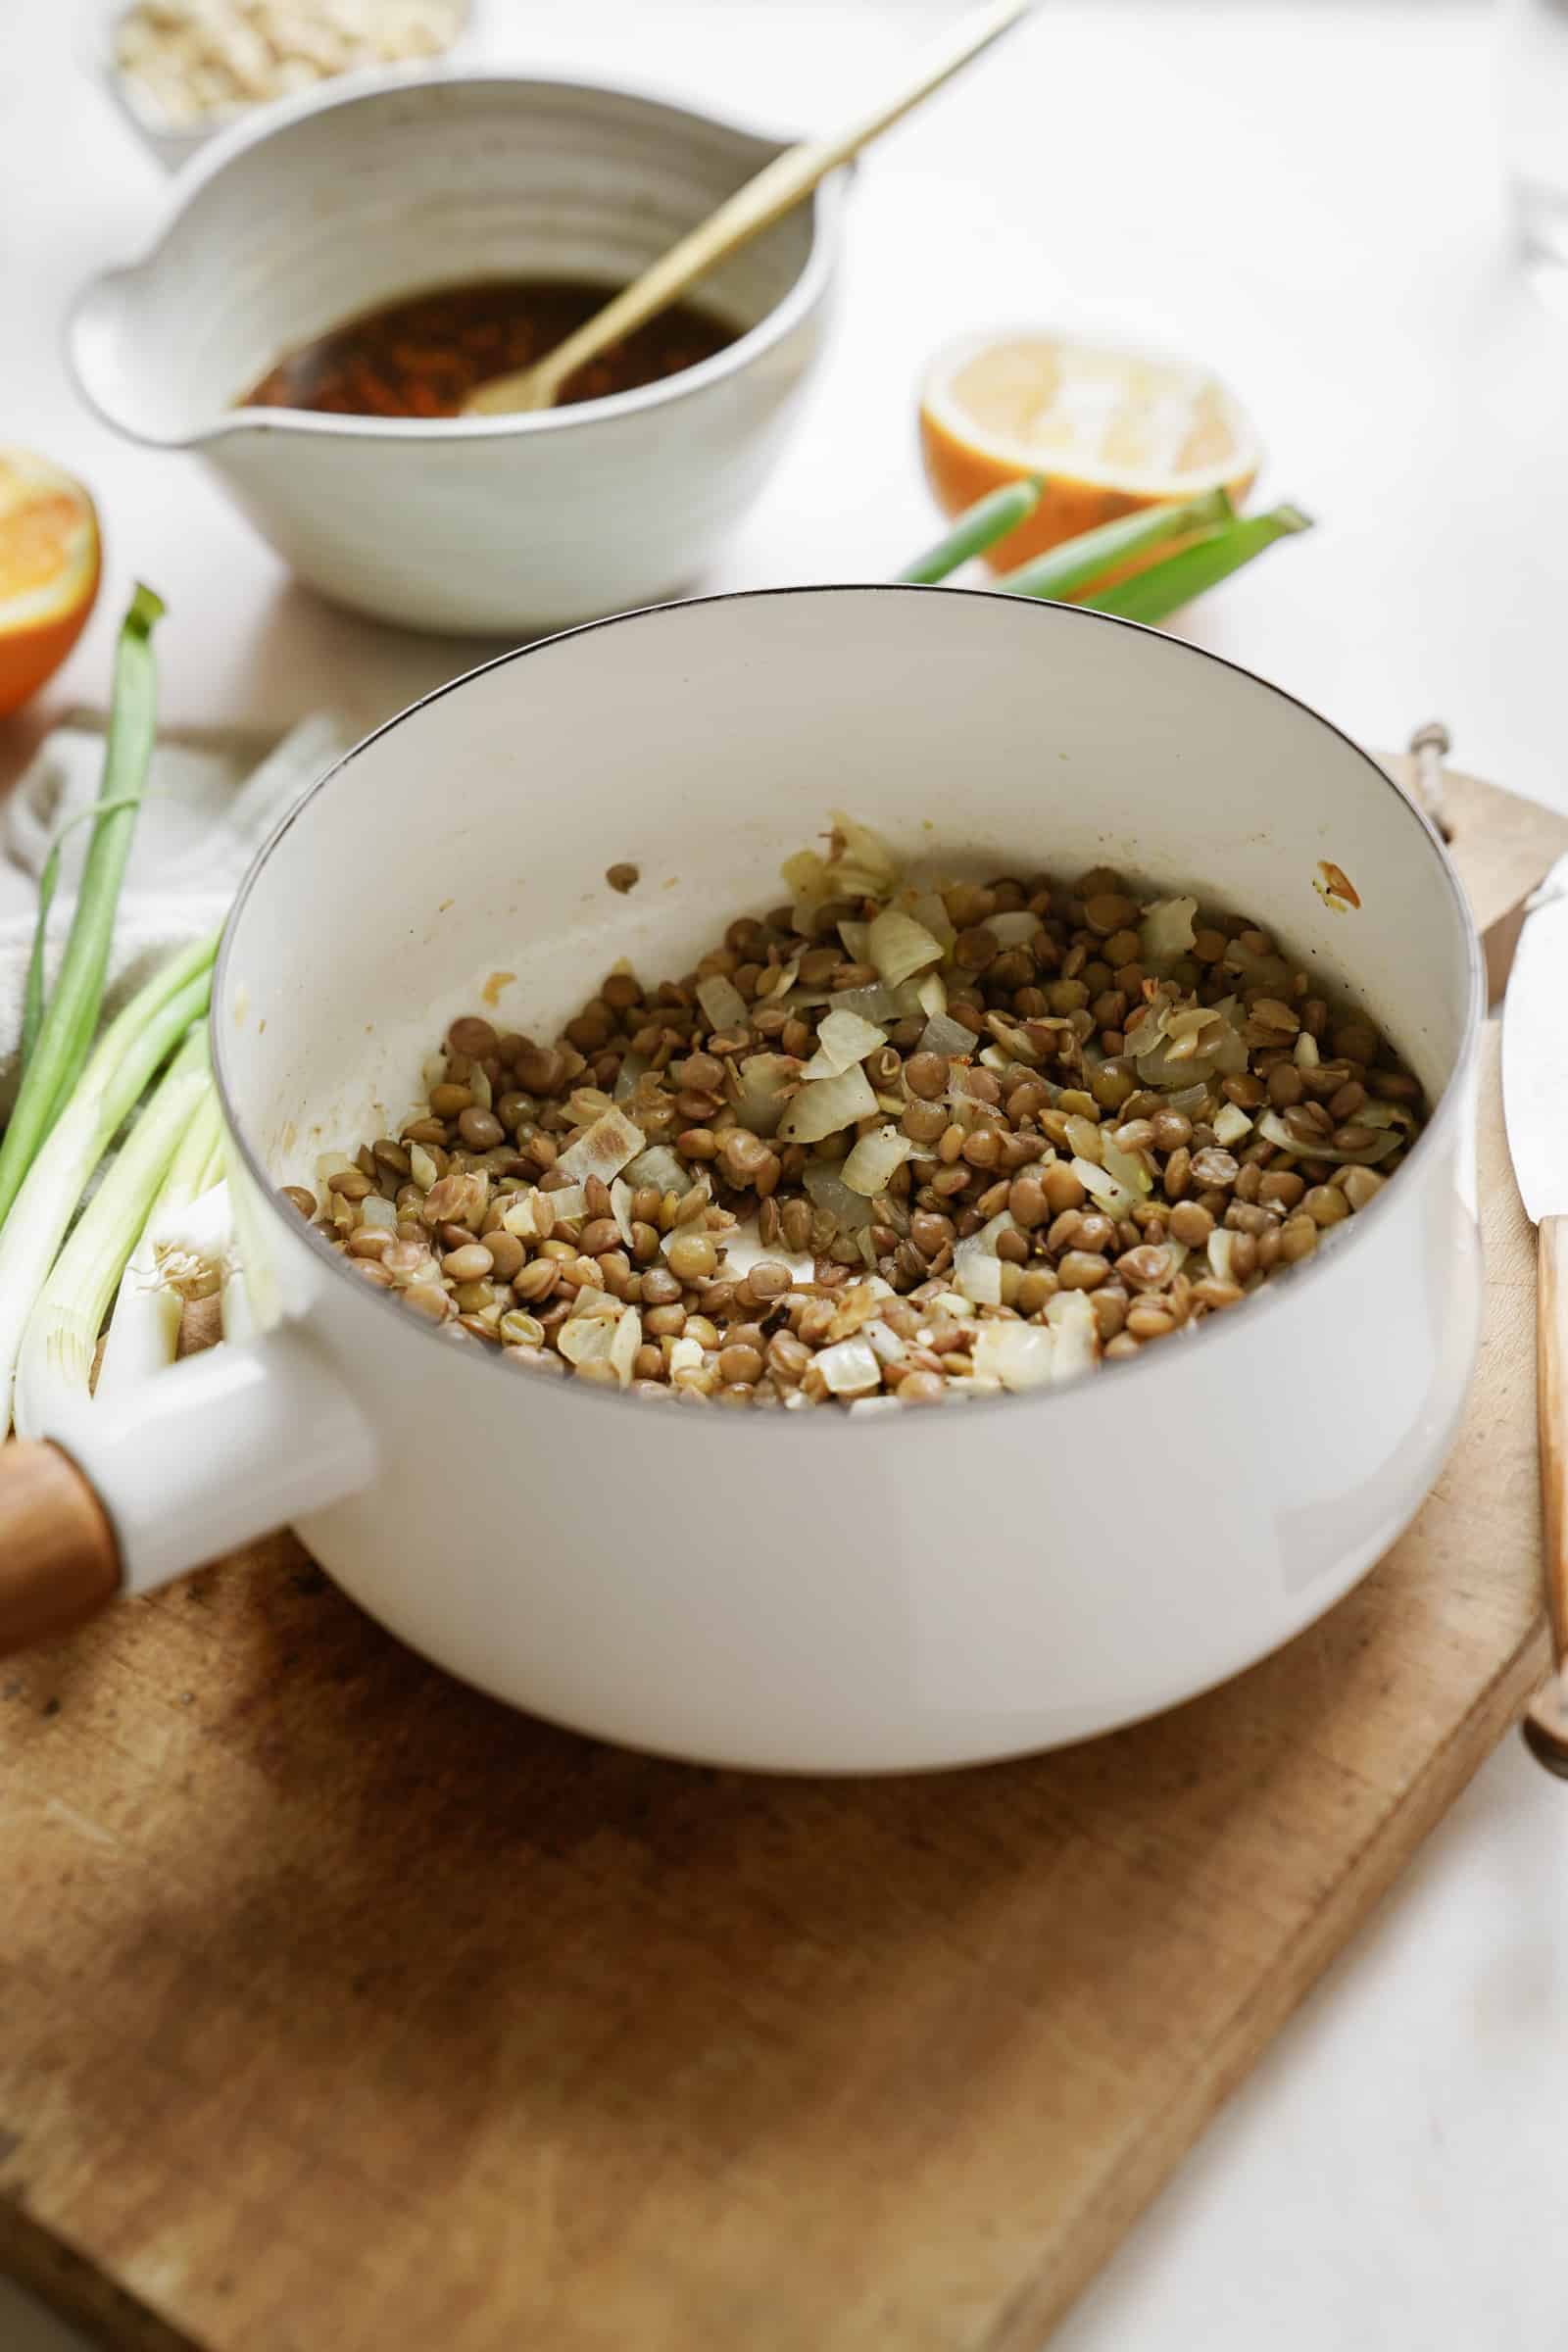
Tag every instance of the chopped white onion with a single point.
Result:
(872, 1003)
(849, 1368)
(1221, 1244)
(931, 994)
(757, 1091)
(585, 1339)
(1306, 1056)
(944, 1035)
(826, 1190)
(686, 1356)
(1127, 1168)
(1113, 1198)
(930, 908)
(722, 1003)
(884, 1343)
(1021, 1356)
(827, 1104)
(843, 1040)
(659, 1166)
(633, 1066)
(1071, 1320)
(380, 1215)
(625, 1343)
(1012, 927)
(1231, 1124)
(1274, 1130)
(871, 1165)
(977, 1272)
(1167, 930)
(875, 1405)
(609, 1145)
(1257, 971)
(621, 1199)
(860, 865)
(899, 947)
(332, 1163)
(854, 936)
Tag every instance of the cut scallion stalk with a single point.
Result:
(130, 1052)
(144, 1327)
(1152, 595)
(48, 882)
(1063, 570)
(64, 1034)
(54, 1367)
(978, 527)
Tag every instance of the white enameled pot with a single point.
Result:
(812, 1591)
(328, 205)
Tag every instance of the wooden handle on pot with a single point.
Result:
(59, 1560)
(1545, 1724)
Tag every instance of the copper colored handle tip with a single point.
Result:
(1546, 1726)
(59, 1560)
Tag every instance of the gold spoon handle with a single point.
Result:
(774, 190)
(1546, 1725)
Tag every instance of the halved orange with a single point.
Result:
(49, 562)
(1112, 430)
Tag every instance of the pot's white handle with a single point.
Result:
(224, 1446)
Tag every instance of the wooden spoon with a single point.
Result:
(774, 191)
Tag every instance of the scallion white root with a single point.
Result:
(54, 1370)
(144, 1327)
(126, 1058)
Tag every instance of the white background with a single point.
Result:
(1308, 194)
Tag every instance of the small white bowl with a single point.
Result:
(175, 143)
(332, 203)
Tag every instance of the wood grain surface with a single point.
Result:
(341, 2008)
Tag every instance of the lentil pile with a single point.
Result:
(883, 1147)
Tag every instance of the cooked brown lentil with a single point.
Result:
(1078, 1127)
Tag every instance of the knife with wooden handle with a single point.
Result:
(1535, 1101)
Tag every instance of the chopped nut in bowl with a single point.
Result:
(183, 69)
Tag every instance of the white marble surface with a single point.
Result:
(1308, 192)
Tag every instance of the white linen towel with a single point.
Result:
(214, 796)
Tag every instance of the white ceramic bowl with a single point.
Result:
(336, 202)
(811, 1591)
(175, 143)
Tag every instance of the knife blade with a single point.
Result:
(1535, 1051)
(1534, 1108)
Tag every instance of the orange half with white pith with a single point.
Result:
(49, 565)
(1110, 431)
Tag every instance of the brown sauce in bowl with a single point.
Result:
(421, 356)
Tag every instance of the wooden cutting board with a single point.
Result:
(340, 2007)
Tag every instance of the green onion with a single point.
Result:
(130, 1052)
(1062, 570)
(48, 882)
(54, 1368)
(978, 527)
(144, 1327)
(64, 1033)
(1150, 595)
